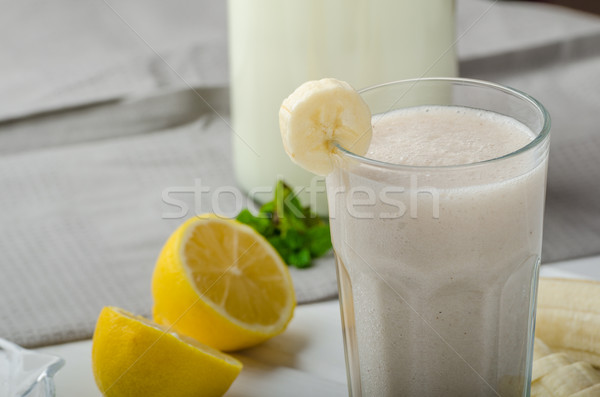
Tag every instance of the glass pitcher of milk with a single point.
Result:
(276, 45)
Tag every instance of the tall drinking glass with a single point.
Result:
(438, 265)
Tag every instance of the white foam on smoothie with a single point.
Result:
(444, 135)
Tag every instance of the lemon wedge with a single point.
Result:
(131, 356)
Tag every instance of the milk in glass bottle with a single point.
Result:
(276, 45)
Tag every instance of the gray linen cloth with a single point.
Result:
(100, 121)
(84, 223)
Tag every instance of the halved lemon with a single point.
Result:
(131, 356)
(220, 282)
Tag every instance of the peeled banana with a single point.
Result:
(549, 363)
(540, 349)
(568, 318)
(593, 391)
(557, 375)
(319, 114)
(567, 342)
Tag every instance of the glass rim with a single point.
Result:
(537, 141)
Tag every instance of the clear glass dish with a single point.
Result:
(25, 373)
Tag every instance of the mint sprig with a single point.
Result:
(292, 229)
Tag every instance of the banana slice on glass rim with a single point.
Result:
(319, 114)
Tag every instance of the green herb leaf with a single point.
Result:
(300, 258)
(320, 240)
(294, 231)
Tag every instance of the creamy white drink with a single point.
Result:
(437, 266)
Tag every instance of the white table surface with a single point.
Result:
(307, 359)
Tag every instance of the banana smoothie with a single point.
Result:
(437, 267)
